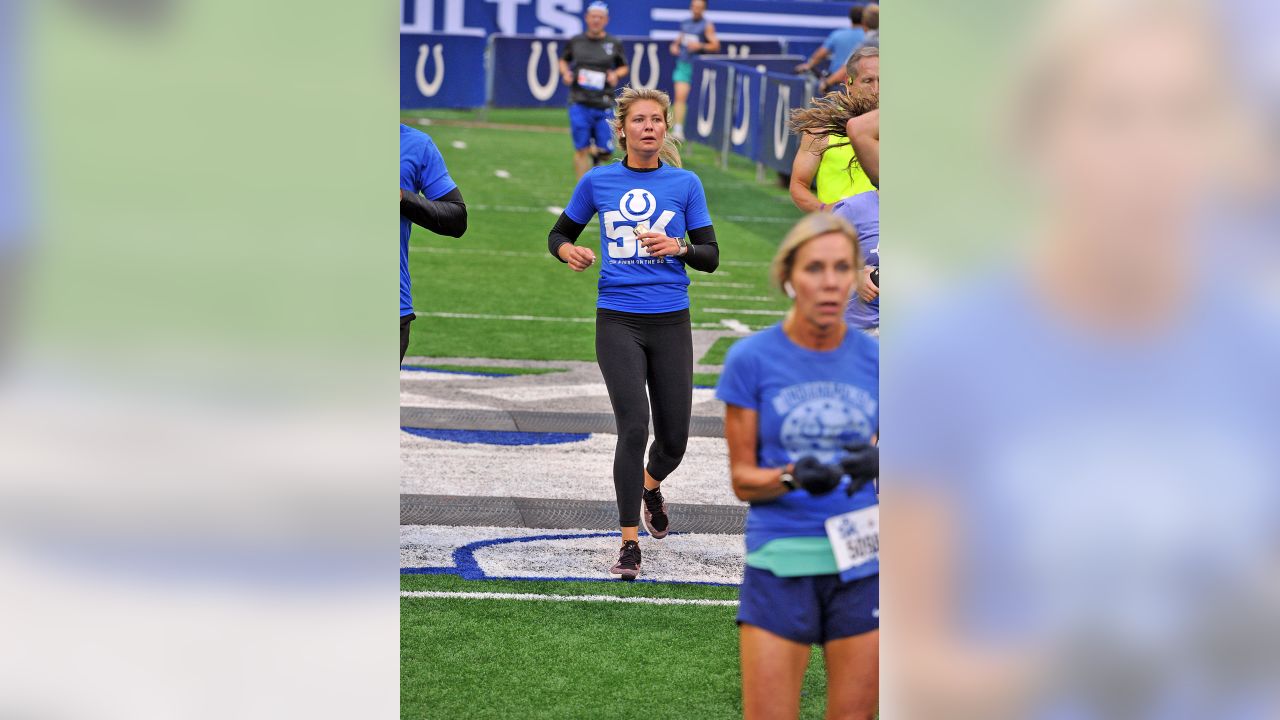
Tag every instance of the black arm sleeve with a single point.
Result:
(446, 216)
(703, 254)
(565, 231)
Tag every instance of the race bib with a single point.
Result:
(591, 79)
(855, 539)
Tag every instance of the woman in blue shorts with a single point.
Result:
(801, 413)
(697, 36)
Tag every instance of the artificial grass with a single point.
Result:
(568, 660)
(501, 268)
(719, 349)
(489, 369)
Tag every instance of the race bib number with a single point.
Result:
(591, 79)
(855, 538)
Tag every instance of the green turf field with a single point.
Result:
(475, 296)
(534, 659)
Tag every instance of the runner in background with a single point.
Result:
(837, 48)
(829, 158)
(592, 65)
(697, 36)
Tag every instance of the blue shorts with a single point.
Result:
(587, 123)
(813, 609)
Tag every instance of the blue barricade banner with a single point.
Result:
(778, 146)
(441, 71)
(526, 74)
(707, 96)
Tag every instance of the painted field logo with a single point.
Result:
(637, 204)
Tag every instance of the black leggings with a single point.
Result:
(635, 350)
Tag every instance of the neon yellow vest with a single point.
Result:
(836, 180)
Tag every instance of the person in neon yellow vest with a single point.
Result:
(836, 178)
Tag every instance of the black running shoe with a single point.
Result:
(628, 561)
(655, 514)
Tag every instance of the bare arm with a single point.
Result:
(803, 168)
(751, 482)
(864, 135)
(565, 74)
(713, 42)
(833, 80)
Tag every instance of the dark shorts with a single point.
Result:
(404, 333)
(814, 609)
(588, 123)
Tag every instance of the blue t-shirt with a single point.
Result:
(1125, 485)
(862, 211)
(809, 403)
(671, 201)
(422, 170)
(841, 44)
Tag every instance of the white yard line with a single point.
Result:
(561, 598)
(476, 316)
(549, 208)
(744, 298)
(726, 311)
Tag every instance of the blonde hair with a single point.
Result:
(811, 226)
(669, 152)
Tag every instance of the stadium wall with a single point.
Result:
(658, 19)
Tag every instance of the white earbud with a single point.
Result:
(789, 289)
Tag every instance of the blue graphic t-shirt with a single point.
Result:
(422, 170)
(668, 200)
(809, 403)
(862, 211)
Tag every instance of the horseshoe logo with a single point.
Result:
(780, 114)
(429, 89)
(637, 198)
(654, 70)
(739, 134)
(543, 91)
(707, 103)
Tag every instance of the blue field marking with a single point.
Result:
(497, 437)
(466, 567)
(473, 373)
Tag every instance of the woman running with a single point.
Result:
(653, 223)
(697, 36)
(839, 118)
(801, 411)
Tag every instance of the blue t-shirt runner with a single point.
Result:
(862, 211)
(668, 200)
(644, 339)
(808, 402)
(422, 170)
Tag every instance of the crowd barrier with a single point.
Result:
(739, 101)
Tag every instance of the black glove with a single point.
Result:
(812, 475)
(862, 464)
